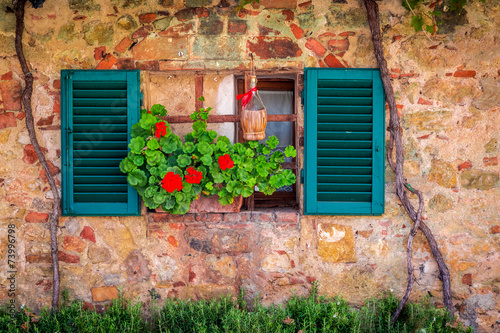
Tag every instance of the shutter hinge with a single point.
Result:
(302, 176)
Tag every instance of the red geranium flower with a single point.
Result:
(225, 162)
(193, 176)
(161, 129)
(172, 182)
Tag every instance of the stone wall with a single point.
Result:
(447, 89)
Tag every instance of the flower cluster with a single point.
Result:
(193, 176)
(161, 129)
(225, 162)
(171, 182)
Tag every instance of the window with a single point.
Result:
(278, 95)
(98, 109)
(344, 142)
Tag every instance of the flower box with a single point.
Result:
(211, 205)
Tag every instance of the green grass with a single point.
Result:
(229, 314)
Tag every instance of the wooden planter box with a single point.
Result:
(211, 205)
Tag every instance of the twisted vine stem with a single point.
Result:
(30, 126)
(402, 187)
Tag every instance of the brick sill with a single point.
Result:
(280, 215)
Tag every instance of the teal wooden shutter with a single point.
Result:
(98, 109)
(344, 142)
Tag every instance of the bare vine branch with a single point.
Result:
(402, 187)
(30, 125)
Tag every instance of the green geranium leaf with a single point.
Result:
(188, 147)
(212, 134)
(277, 157)
(127, 165)
(182, 207)
(137, 130)
(272, 142)
(249, 152)
(204, 116)
(199, 125)
(218, 177)
(153, 144)
(147, 121)
(158, 110)
(184, 160)
(189, 137)
(169, 145)
(169, 203)
(137, 178)
(136, 145)
(205, 137)
(150, 191)
(222, 145)
(231, 185)
(209, 186)
(179, 196)
(251, 182)
(289, 177)
(204, 148)
(187, 187)
(253, 144)
(149, 202)
(247, 191)
(290, 151)
(160, 197)
(266, 151)
(154, 157)
(138, 160)
(206, 159)
(276, 181)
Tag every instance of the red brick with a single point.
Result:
(347, 33)
(495, 229)
(310, 279)
(177, 30)
(433, 47)
(338, 45)
(424, 137)
(296, 280)
(178, 226)
(465, 165)
(99, 52)
(322, 64)
(396, 70)
(332, 61)
(103, 294)
(56, 84)
(11, 95)
(88, 234)
(56, 108)
(79, 18)
(45, 121)
(53, 169)
(107, 62)
(394, 76)
(7, 76)
(147, 18)
(467, 279)
(43, 258)
(124, 45)
(30, 156)
(424, 101)
(449, 74)
(192, 275)
(46, 284)
(125, 63)
(279, 3)
(489, 161)
(273, 47)
(236, 27)
(21, 115)
(409, 75)
(292, 263)
(35, 217)
(464, 74)
(265, 31)
(68, 258)
(172, 241)
(281, 252)
(142, 32)
(315, 46)
(71, 243)
(297, 31)
(179, 284)
(151, 65)
(289, 15)
(396, 38)
(7, 119)
(292, 217)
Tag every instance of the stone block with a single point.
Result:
(440, 203)
(98, 254)
(212, 48)
(99, 32)
(35, 217)
(223, 265)
(68, 258)
(428, 120)
(88, 234)
(442, 173)
(137, 267)
(236, 27)
(178, 30)
(71, 243)
(478, 179)
(103, 294)
(281, 4)
(11, 95)
(147, 18)
(336, 243)
(273, 47)
(211, 27)
(155, 48)
(206, 291)
(163, 23)
(126, 22)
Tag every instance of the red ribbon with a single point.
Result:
(245, 98)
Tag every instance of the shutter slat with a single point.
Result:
(358, 136)
(351, 101)
(99, 179)
(100, 102)
(99, 111)
(101, 197)
(354, 179)
(332, 187)
(345, 92)
(101, 188)
(96, 162)
(344, 153)
(345, 127)
(344, 161)
(100, 136)
(96, 128)
(78, 171)
(344, 170)
(105, 120)
(100, 153)
(345, 196)
(367, 83)
(339, 144)
(343, 109)
(100, 145)
(345, 118)
(121, 93)
(99, 85)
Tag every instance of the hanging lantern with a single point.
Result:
(253, 116)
